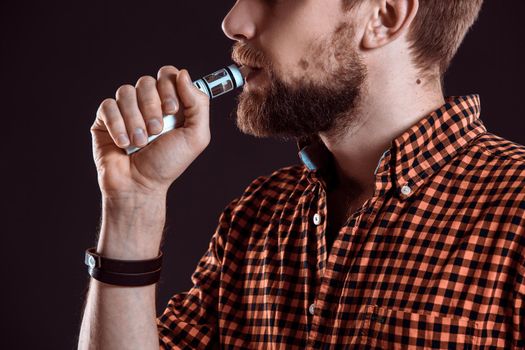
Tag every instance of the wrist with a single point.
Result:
(132, 227)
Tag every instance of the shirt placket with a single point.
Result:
(316, 224)
(323, 316)
(329, 271)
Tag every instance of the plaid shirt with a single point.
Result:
(435, 259)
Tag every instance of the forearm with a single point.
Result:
(124, 317)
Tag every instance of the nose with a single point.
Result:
(240, 23)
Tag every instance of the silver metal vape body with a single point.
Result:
(213, 85)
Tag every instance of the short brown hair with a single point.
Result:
(438, 30)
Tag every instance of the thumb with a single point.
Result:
(195, 103)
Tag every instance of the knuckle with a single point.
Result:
(167, 91)
(204, 100)
(149, 103)
(106, 104)
(149, 106)
(145, 81)
(124, 90)
(104, 108)
(110, 120)
(166, 70)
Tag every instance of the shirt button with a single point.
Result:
(406, 190)
(317, 219)
(311, 309)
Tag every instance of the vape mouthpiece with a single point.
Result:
(220, 82)
(213, 85)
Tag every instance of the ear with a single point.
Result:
(389, 19)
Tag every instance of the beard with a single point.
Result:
(324, 102)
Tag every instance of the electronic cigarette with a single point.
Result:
(213, 85)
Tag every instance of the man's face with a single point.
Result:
(310, 75)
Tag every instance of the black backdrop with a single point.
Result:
(60, 59)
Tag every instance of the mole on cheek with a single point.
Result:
(303, 64)
(418, 82)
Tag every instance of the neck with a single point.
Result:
(385, 111)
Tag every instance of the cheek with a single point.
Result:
(315, 62)
(293, 59)
(288, 42)
(283, 48)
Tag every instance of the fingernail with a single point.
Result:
(154, 126)
(139, 137)
(123, 140)
(170, 106)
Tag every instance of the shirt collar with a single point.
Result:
(417, 153)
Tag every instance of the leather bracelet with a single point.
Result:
(95, 260)
(128, 280)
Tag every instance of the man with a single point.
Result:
(403, 228)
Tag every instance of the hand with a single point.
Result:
(136, 113)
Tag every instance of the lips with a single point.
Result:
(250, 73)
(254, 72)
(246, 70)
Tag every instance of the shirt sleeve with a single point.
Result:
(519, 301)
(519, 310)
(190, 318)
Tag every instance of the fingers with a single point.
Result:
(166, 78)
(127, 103)
(137, 111)
(109, 114)
(195, 102)
(150, 104)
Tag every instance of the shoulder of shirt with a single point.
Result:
(264, 195)
(502, 159)
(280, 181)
(497, 146)
(507, 162)
(285, 182)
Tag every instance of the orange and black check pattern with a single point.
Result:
(435, 259)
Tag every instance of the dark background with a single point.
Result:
(60, 59)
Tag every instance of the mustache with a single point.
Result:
(244, 55)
